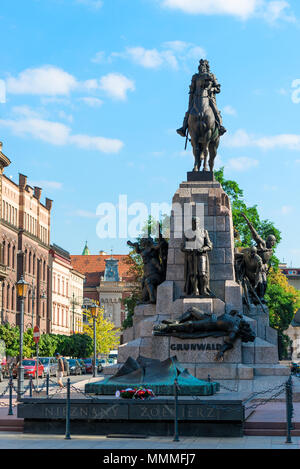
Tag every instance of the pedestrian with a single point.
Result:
(60, 369)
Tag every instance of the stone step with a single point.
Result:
(259, 352)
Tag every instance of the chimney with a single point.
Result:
(37, 192)
(22, 181)
(48, 203)
(1, 144)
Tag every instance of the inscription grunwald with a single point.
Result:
(197, 347)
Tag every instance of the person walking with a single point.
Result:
(60, 369)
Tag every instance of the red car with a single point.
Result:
(30, 368)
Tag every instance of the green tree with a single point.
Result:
(47, 345)
(243, 236)
(10, 336)
(282, 299)
(107, 336)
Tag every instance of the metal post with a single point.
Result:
(68, 405)
(37, 365)
(10, 409)
(47, 384)
(21, 367)
(289, 408)
(32, 303)
(176, 437)
(95, 350)
(30, 386)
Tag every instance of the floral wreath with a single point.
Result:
(135, 393)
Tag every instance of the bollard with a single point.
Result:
(30, 386)
(289, 408)
(68, 405)
(47, 384)
(176, 437)
(10, 409)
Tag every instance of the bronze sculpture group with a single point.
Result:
(203, 123)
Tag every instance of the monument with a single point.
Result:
(209, 311)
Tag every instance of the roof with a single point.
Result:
(93, 267)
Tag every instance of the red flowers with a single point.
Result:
(136, 393)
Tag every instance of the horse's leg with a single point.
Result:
(213, 147)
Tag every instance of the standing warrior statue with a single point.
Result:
(253, 264)
(153, 269)
(196, 265)
(203, 120)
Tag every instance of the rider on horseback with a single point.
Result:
(213, 88)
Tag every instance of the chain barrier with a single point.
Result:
(257, 399)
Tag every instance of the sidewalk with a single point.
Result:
(28, 441)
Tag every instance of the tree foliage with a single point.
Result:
(76, 345)
(282, 299)
(107, 336)
(243, 236)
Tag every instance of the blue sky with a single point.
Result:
(94, 91)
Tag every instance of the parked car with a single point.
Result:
(75, 367)
(82, 364)
(89, 365)
(50, 365)
(30, 368)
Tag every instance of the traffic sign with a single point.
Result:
(36, 334)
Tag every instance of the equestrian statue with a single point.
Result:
(203, 121)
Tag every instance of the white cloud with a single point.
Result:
(47, 184)
(271, 11)
(242, 163)
(296, 92)
(277, 10)
(170, 54)
(51, 132)
(85, 214)
(242, 139)
(99, 57)
(116, 85)
(229, 110)
(92, 102)
(91, 3)
(102, 144)
(240, 8)
(286, 209)
(150, 58)
(46, 80)
(57, 133)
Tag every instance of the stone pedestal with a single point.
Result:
(202, 196)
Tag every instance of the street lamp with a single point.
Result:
(94, 310)
(22, 288)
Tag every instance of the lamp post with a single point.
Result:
(94, 309)
(22, 287)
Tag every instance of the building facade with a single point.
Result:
(107, 281)
(25, 239)
(66, 293)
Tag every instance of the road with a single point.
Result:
(52, 382)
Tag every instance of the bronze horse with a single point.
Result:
(203, 129)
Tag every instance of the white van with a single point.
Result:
(112, 357)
